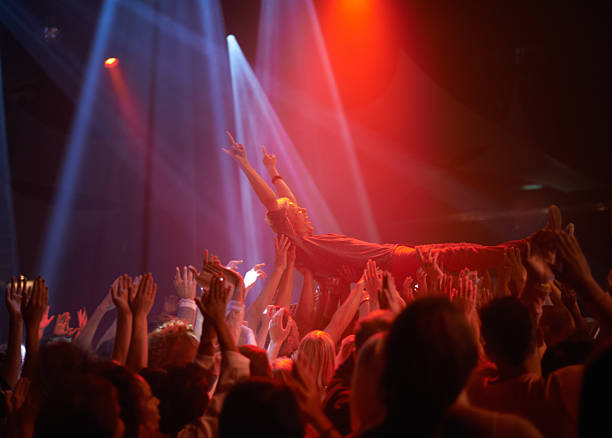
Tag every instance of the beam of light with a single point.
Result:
(56, 225)
(219, 83)
(299, 18)
(257, 123)
(8, 249)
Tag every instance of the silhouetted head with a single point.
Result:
(430, 352)
(509, 331)
(260, 407)
(596, 389)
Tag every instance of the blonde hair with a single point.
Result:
(317, 355)
(286, 204)
(172, 344)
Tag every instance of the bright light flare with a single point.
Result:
(111, 62)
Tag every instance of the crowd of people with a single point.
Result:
(453, 340)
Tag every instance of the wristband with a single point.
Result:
(188, 302)
(274, 178)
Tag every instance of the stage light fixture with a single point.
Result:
(111, 62)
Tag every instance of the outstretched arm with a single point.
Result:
(254, 312)
(283, 190)
(10, 369)
(265, 194)
(346, 312)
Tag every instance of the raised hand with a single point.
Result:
(281, 248)
(254, 274)
(236, 150)
(467, 292)
(429, 263)
(572, 267)
(82, 317)
(210, 266)
(514, 270)
(14, 292)
(407, 291)
(45, 320)
(269, 160)
(396, 302)
(233, 264)
(213, 304)
(279, 326)
(185, 284)
(106, 304)
(372, 277)
(35, 303)
(62, 325)
(538, 265)
(120, 292)
(143, 299)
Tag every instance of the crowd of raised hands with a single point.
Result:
(439, 354)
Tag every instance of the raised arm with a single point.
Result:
(33, 305)
(285, 289)
(12, 362)
(265, 194)
(254, 312)
(304, 314)
(91, 326)
(120, 292)
(141, 305)
(283, 190)
(575, 271)
(345, 312)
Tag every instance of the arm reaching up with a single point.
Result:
(283, 190)
(346, 312)
(141, 305)
(87, 333)
(213, 308)
(255, 310)
(265, 194)
(33, 305)
(304, 314)
(573, 269)
(120, 292)
(12, 300)
(285, 289)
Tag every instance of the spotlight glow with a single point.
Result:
(111, 62)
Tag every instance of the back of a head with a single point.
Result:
(59, 360)
(556, 324)
(260, 407)
(87, 405)
(317, 356)
(282, 367)
(596, 389)
(508, 329)
(374, 322)
(259, 365)
(430, 353)
(132, 396)
(173, 344)
(367, 406)
(182, 394)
